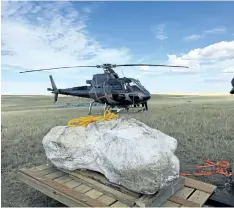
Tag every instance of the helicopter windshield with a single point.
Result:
(137, 83)
(133, 85)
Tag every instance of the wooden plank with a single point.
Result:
(94, 175)
(107, 200)
(93, 193)
(183, 202)
(60, 188)
(105, 195)
(126, 199)
(51, 192)
(184, 193)
(101, 178)
(43, 172)
(40, 167)
(72, 184)
(170, 204)
(83, 188)
(63, 179)
(199, 185)
(199, 197)
(56, 174)
(119, 204)
(162, 196)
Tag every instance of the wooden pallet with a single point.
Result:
(194, 194)
(88, 188)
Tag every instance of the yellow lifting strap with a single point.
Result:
(84, 121)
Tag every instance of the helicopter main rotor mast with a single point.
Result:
(105, 67)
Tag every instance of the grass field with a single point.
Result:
(203, 126)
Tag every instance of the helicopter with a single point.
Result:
(108, 88)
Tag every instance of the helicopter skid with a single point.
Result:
(140, 109)
(117, 109)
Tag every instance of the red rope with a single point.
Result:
(217, 168)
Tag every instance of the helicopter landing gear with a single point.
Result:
(90, 107)
(145, 106)
(114, 109)
(105, 107)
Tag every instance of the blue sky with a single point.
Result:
(51, 34)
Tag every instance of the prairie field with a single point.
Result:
(202, 125)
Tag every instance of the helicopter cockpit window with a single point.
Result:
(137, 83)
(134, 86)
(116, 86)
(127, 87)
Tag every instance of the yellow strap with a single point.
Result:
(84, 121)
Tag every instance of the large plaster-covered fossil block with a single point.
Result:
(125, 150)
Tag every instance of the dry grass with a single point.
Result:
(199, 93)
(203, 126)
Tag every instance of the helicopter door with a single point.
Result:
(117, 91)
(100, 92)
(127, 88)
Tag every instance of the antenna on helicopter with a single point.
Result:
(122, 72)
(108, 68)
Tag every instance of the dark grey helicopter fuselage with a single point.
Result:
(76, 91)
(112, 91)
(108, 89)
(118, 92)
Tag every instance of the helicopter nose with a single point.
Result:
(146, 98)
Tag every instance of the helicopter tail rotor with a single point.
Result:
(53, 83)
(54, 89)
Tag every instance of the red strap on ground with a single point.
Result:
(217, 168)
(185, 174)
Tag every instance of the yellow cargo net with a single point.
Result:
(84, 121)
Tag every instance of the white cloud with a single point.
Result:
(218, 56)
(181, 61)
(193, 37)
(51, 34)
(223, 49)
(158, 31)
(87, 10)
(218, 78)
(217, 30)
(229, 69)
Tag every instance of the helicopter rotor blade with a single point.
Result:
(103, 66)
(151, 65)
(65, 67)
